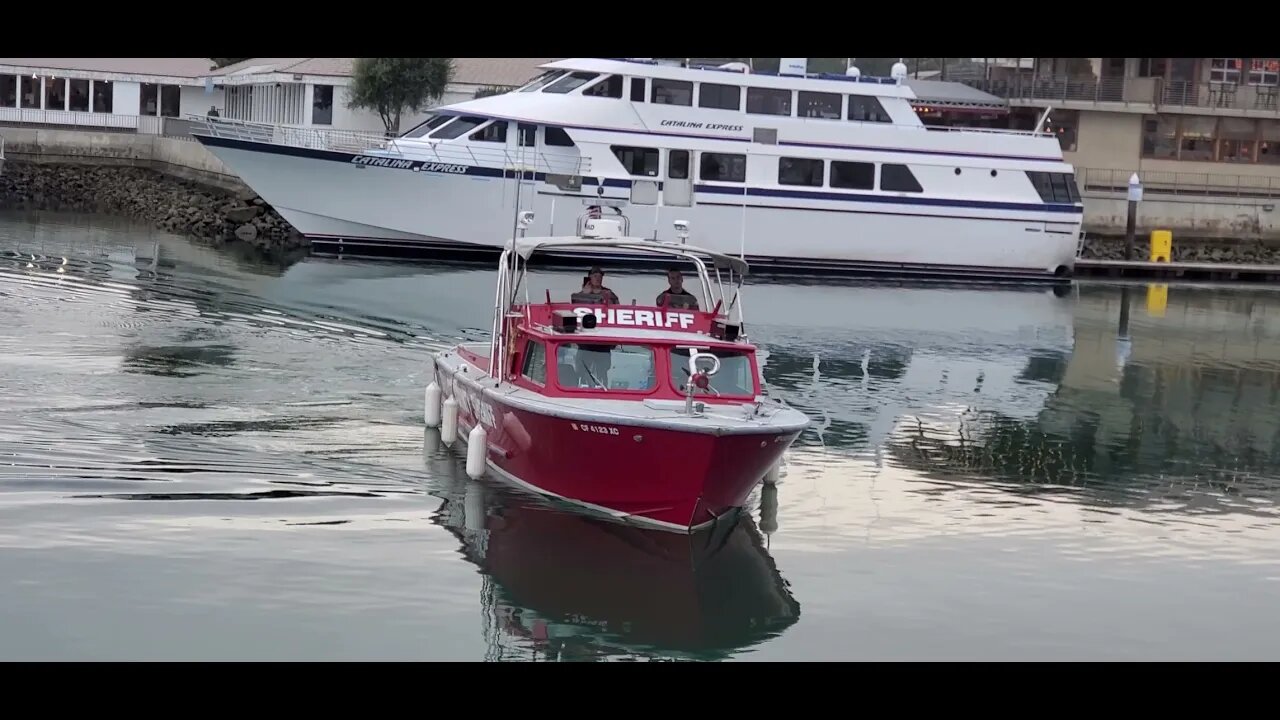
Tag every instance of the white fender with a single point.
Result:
(775, 472)
(477, 451)
(449, 423)
(431, 405)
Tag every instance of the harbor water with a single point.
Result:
(206, 455)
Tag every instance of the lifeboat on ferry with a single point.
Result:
(650, 415)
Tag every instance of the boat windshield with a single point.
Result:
(610, 366)
(734, 379)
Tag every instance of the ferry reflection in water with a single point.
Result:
(562, 585)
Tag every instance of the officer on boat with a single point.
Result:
(675, 296)
(593, 289)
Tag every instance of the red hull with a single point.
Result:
(673, 479)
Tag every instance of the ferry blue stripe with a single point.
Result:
(473, 171)
(889, 199)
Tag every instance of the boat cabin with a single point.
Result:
(609, 351)
(606, 351)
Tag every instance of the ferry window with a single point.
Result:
(1055, 187)
(570, 82)
(495, 131)
(527, 134)
(557, 137)
(535, 362)
(426, 127)
(584, 366)
(637, 89)
(866, 108)
(637, 160)
(800, 171)
(672, 92)
(723, 167)
(853, 175)
(542, 80)
(678, 165)
(723, 97)
(457, 128)
(611, 86)
(819, 105)
(734, 378)
(768, 101)
(898, 178)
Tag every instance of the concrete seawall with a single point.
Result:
(172, 181)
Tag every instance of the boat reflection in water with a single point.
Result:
(561, 585)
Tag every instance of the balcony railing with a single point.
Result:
(1182, 184)
(1154, 92)
(80, 120)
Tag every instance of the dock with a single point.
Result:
(1192, 271)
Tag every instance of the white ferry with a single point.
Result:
(789, 171)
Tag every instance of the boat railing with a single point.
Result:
(361, 141)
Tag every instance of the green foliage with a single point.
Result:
(488, 90)
(392, 85)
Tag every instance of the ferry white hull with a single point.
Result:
(342, 205)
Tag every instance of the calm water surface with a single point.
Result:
(205, 456)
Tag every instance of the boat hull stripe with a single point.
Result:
(473, 171)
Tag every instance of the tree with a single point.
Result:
(392, 85)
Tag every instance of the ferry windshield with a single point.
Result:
(586, 366)
(733, 379)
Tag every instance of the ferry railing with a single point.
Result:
(1182, 184)
(357, 141)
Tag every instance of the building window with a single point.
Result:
(170, 101)
(723, 167)
(1209, 139)
(800, 171)
(671, 92)
(1160, 137)
(1225, 70)
(8, 91)
(1269, 143)
(79, 96)
(722, 97)
(55, 93)
(1236, 139)
(1264, 71)
(1196, 138)
(148, 99)
(322, 105)
(103, 96)
(30, 92)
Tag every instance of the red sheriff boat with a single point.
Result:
(650, 415)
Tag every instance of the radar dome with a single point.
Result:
(899, 71)
(853, 71)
